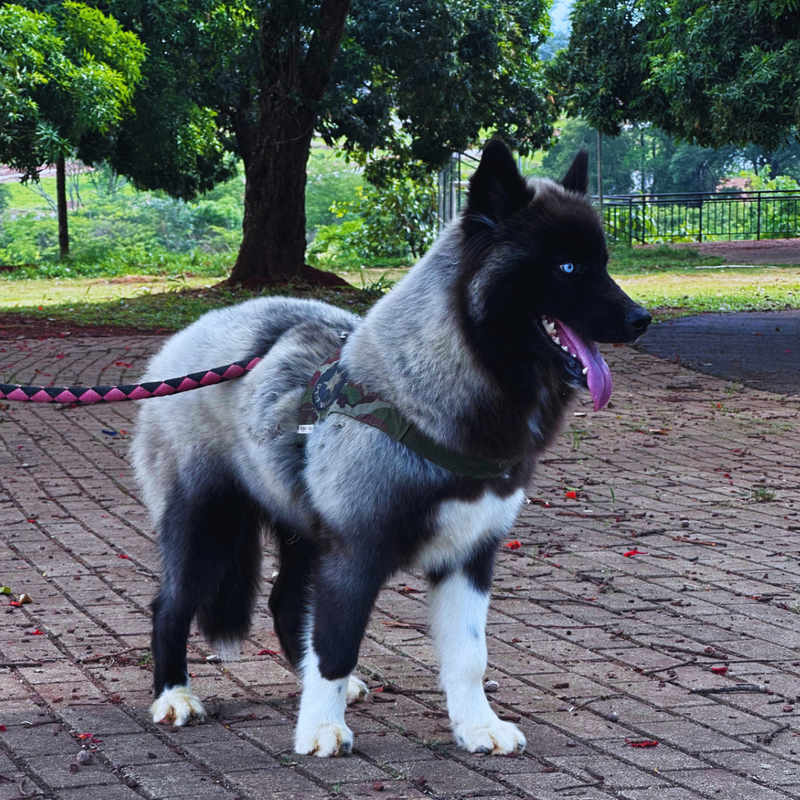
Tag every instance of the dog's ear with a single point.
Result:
(577, 177)
(496, 189)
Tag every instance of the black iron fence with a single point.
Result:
(645, 219)
(702, 216)
(452, 186)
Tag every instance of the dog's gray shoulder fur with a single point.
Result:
(412, 351)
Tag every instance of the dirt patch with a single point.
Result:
(765, 251)
(13, 326)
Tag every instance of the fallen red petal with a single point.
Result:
(634, 553)
(267, 653)
(515, 545)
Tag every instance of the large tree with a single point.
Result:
(254, 81)
(712, 73)
(63, 75)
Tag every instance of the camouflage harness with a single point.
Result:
(330, 392)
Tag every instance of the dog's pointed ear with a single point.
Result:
(496, 189)
(577, 177)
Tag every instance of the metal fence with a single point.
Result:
(646, 219)
(702, 216)
(452, 186)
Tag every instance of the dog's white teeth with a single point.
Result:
(574, 355)
(565, 348)
(585, 370)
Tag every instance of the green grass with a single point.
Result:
(157, 305)
(678, 293)
(169, 294)
(116, 265)
(635, 261)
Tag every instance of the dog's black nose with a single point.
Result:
(638, 318)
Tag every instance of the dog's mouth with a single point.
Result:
(584, 362)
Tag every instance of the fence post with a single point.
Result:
(630, 222)
(644, 211)
(758, 219)
(700, 231)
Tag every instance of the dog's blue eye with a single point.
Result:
(568, 267)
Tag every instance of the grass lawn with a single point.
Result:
(665, 280)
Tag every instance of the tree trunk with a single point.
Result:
(295, 78)
(274, 227)
(61, 206)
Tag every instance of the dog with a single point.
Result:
(478, 350)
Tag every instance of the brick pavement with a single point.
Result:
(594, 649)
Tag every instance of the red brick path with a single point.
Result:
(594, 648)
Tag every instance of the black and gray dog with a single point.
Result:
(478, 350)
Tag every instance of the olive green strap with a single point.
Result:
(339, 396)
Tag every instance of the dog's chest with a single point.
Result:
(460, 526)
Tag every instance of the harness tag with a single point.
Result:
(304, 430)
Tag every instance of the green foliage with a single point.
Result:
(194, 99)
(118, 231)
(725, 71)
(330, 179)
(444, 72)
(709, 73)
(599, 75)
(644, 157)
(62, 75)
(391, 222)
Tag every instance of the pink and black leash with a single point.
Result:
(85, 395)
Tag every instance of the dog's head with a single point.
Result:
(534, 285)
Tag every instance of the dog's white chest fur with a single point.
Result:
(462, 525)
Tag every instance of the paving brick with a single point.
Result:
(278, 784)
(54, 770)
(722, 785)
(174, 780)
(574, 626)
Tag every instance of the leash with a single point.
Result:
(328, 392)
(86, 395)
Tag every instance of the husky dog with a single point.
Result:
(479, 349)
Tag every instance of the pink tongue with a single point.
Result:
(598, 377)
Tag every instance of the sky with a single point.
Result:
(560, 14)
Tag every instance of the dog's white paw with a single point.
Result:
(176, 706)
(497, 737)
(357, 690)
(325, 740)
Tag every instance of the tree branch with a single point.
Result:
(324, 46)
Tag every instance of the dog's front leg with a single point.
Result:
(345, 583)
(321, 729)
(458, 610)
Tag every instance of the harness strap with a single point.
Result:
(330, 392)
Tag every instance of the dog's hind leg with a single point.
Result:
(459, 603)
(290, 596)
(344, 590)
(209, 536)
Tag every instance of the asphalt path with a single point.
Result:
(758, 349)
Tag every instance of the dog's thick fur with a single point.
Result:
(460, 349)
